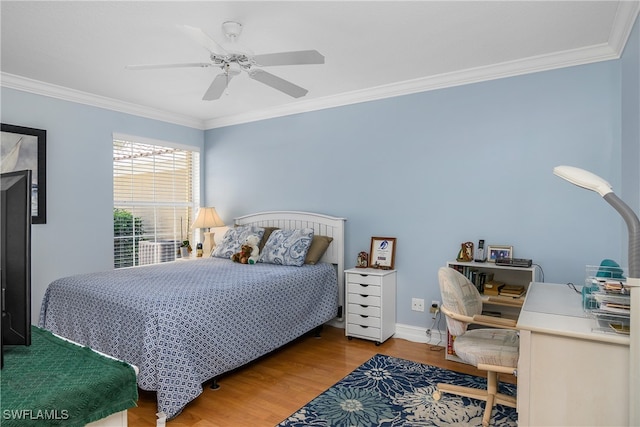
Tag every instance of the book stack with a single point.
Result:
(512, 291)
(493, 287)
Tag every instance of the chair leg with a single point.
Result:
(488, 409)
(490, 395)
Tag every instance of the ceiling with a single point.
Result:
(78, 50)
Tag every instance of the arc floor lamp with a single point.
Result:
(590, 181)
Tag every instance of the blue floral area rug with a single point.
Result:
(387, 391)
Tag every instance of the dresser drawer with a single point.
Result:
(357, 288)
(365, 310)
(363, 299)
(357, 319)
(365, 331)
(364, 279)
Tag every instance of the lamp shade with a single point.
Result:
(207, 218)
(584, 179)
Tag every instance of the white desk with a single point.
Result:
(567, 374)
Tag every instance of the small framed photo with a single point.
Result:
(363, 260)
(498, 251)
(383, 252)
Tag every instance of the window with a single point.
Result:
(155, 195)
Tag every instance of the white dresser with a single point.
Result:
(371, 304)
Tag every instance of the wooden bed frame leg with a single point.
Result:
(318, 332)
(214, 384)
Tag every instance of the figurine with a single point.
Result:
(466, 252)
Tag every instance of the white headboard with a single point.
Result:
(323, 225)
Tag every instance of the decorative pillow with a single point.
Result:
(267, 233)
(318, 247)
(287, 247)
(234, 238)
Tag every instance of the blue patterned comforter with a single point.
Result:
(183, 323)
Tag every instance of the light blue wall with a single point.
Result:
(439, 168)
(423, 168)
(78, 235)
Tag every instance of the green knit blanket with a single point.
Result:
(54, 382)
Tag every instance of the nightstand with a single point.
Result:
(371, 304)
(190, 258)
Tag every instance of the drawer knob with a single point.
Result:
(363, 316)
(363, 306)
(364, 296)
(364, 286)
(364, 275)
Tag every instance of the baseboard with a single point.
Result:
(416, 334)
(409, 333)
(336, 322)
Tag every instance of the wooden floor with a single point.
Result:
(267, 391)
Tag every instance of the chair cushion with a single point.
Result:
(490, 346)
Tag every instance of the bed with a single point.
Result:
(186, 322)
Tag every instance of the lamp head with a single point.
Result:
(584, 179)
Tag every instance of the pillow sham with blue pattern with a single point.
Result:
(234, 238)
(287, 247)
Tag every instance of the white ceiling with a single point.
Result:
(78, 50)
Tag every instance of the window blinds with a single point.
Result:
(155, 195)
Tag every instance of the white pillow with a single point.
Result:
(287, 247)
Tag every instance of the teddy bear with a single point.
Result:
(252, 241)
(466, 252)
(242, 256)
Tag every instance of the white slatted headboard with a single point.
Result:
(323, 225)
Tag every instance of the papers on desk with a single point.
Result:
(610, 305)
(615, 308)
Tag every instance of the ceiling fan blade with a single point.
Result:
(203, 39)
(299, 57)
(218, 85)
(278, 83)
(159, 66)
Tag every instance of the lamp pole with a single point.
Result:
(585, 179)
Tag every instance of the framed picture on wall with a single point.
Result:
(383, 252)
(498, 251)
(26, 148)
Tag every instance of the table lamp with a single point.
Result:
(207, 218)
(588, 180)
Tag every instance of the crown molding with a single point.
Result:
(24, 84)
(597, 53)
(623, 23)
(624, 20)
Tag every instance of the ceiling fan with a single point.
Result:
(233, 62)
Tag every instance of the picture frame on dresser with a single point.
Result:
(383, 253)
(499, 251)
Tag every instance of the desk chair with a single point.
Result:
(491, 350)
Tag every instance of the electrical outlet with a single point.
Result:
(435, 306)
(417, 304)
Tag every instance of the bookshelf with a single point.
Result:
(480, 273)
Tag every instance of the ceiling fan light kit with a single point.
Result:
(232, 29)
(233, 63)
